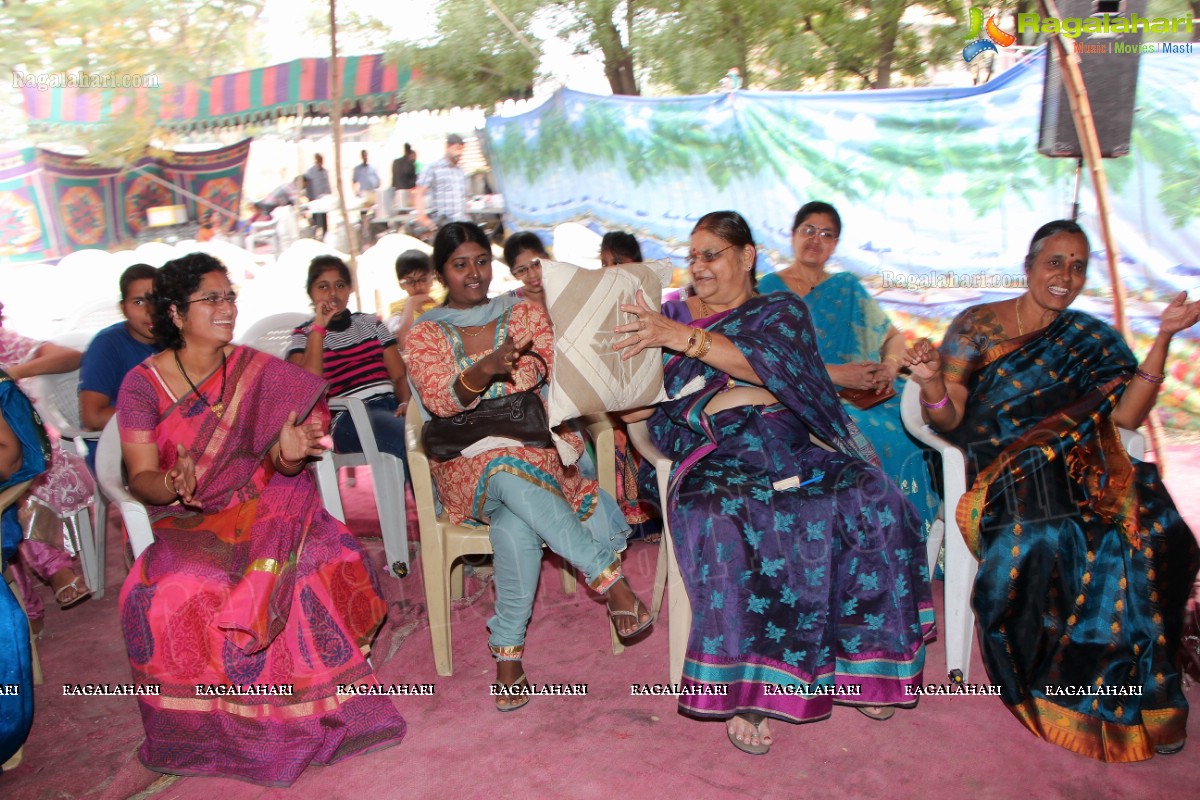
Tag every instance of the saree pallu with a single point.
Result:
(16, 666)
(802, 595)
(1085, 564)
(256, 588)
(850, 328)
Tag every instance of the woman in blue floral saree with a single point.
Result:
(802, 560)
(1084, 563)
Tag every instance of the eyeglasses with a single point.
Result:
(416, 280)
(213, 300)
(812, 230)
(480, 263)
(520, 272)
(707, 256)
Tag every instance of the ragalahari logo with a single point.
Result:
(992, 35)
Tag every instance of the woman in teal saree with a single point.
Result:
(1084, 563)
(861, 349)
(24, 454)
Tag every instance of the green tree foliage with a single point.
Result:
(173, 40)
(475, 59)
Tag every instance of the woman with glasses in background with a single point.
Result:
(802, 560)
(523, 253)
(253, 604)
(353, 351)
(474, 348)
(861, 349)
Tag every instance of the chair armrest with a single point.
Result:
(110, 474)
(600, 429)
(1134, 442)
(352, 402)
(953, 460)
(639, 437)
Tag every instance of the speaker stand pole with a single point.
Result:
(1089, 142)
(1078, 187)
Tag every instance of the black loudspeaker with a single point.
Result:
(1109, 62)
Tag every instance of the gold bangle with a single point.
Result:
(284, 464)
(462, 378)
(705, 345)
(899, 359)
(687, 351)
(168, 484)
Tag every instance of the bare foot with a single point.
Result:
(622, 599)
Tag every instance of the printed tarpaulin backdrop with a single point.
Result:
(939, 189)
(51, 204)
(929, 182)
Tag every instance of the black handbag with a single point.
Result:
(520, 416)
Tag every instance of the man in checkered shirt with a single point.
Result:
(441, 193)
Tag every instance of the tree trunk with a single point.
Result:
(618, 61)
(889, 29)
(335, 123)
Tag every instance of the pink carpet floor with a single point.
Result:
(607, 745)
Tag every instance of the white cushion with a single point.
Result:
(584, 304)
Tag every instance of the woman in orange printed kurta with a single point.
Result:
(471, 349)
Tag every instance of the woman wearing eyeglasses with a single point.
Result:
(354, 352)
(523, 253)
(802, 560)
(253, 604)
(861, 349)
(473, 348)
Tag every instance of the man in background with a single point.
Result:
(316, 184)
(116, 350)
(441, 193)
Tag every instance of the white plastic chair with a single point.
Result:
(110, 473)
(666, 573)
(56, 398)
(960, 566)
(387, 476)
(94, 317)
(272, 334)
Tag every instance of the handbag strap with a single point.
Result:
(537, 387)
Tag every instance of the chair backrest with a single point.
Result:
(110, 474)
(56, 396)
(271, 334)
(95, 316)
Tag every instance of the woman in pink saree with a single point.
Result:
(253, 609)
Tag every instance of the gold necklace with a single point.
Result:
(705, 311)
(1020, 327)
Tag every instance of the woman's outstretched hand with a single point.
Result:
(923, 361)
(649, 329)
(501, 363)
(1179, 315)
(300, 440)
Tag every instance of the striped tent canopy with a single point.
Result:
(369, 86)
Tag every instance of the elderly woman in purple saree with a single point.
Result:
(802, 560)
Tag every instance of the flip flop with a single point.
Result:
(879, 714)
(524, 698)
(636, 613)
(81, 593)
(760, 749)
